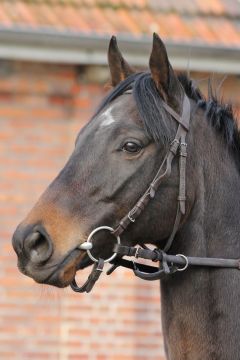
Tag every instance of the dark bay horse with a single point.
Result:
(115, 159)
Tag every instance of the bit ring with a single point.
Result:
(89, 240)
(187, 262)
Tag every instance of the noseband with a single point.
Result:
(169, 264)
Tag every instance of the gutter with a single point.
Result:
(69, 47)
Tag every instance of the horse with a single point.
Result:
(130, 140)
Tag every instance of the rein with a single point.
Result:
(168, 264)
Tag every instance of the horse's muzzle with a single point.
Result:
(33, 243)
(36, 258)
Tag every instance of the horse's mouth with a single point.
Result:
(60, 274)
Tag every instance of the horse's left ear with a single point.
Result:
(119, 68)
(161, 69)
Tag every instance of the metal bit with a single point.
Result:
(86, 245)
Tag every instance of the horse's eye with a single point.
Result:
(131, 147)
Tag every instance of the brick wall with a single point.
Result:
(42, 108)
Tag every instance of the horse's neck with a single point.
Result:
(200, 307)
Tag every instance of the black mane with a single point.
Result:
(220, 116)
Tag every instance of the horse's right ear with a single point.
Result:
(119, 68)
(161, 70)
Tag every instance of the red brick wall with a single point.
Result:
(42, 108)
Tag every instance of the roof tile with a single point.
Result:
(204, 21)
(228, 33)
(130, 25)
(24, 12)
(201, 30)
(217, 7)
(4, 18)
(181, 30)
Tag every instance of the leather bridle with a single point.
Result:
(169, 264)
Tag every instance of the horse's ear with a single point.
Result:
(161, 70)
(119, 68)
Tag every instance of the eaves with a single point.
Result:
(47, 45)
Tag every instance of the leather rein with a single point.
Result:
(168, 264)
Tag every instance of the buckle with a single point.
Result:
(174, 146)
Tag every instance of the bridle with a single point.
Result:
(169, 264)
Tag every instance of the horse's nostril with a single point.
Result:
(38, 247)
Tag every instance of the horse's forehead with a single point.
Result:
(117, 114)
(121, 109)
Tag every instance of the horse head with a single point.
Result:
(115, 158)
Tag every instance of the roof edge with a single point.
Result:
(68, 47)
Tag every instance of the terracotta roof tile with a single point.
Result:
(4, 18)
(202, 31)
(217, 7)
(231, 7)
(44, 12)
(24, 12)
(182, 7)
(113, 20)
(203, 21)
(101, 19)
(10, 11)
(164, 28)
(127, 19)
(44, 16)
(176, 22)
(229, 32)
(147, 20)
(74, 19)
